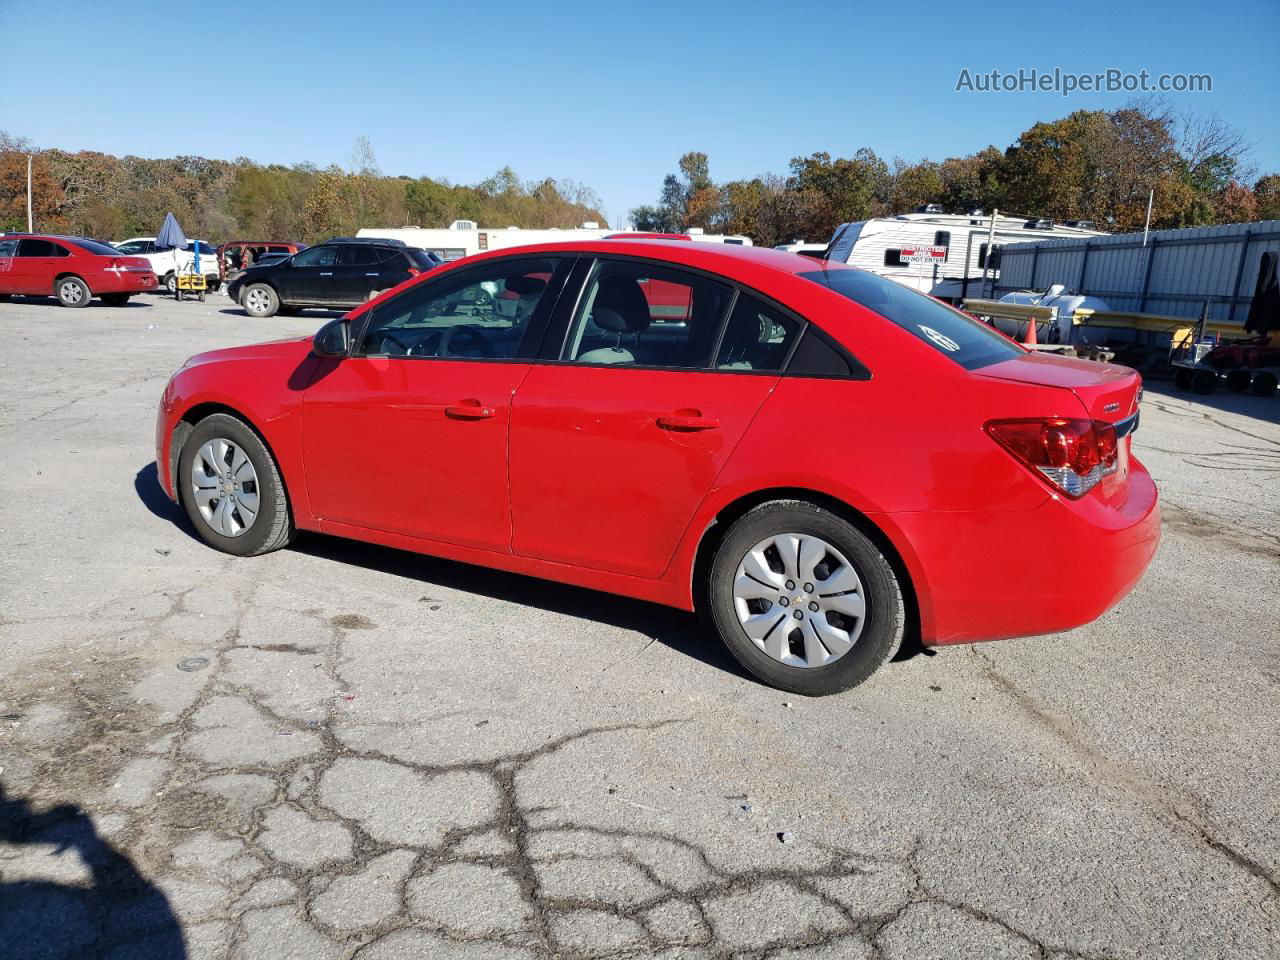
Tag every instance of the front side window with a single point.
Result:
(950, 332)
(315, 257)
(757, 337)
(635, 314)
(483, 313)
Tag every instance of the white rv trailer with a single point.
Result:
(462, 238)
(943, 254)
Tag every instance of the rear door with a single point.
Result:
(356, 272)
(618, 435)
(8, 250)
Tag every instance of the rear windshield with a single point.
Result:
(966, 341)
(94, 246)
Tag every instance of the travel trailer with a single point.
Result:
(462, 238)
(942, 254)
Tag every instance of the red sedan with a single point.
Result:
(818, 457)
(72, 269)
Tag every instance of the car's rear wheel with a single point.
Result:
(1264, 384)
(231, 489)
(259, 300)
(115, 299)
(72, 292)
(803, 599)
(170, 282)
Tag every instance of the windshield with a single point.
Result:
(959, 337)
(95, 246)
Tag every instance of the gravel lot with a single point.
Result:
(381, 755)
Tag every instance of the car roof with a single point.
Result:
(708, 256)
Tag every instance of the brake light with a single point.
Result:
(1072, 454)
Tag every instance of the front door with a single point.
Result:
(614, 447)
(409, 434)
(37, 262)
(308, 277)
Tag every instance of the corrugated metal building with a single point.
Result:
(1174, 274)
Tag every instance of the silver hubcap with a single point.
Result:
(799, 600)
(71, 292)
(224, 486)
(257, 301)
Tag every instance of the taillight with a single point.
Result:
(414, 271)
(1071, 454)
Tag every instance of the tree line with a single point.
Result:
(1091, 165)
(99, 195)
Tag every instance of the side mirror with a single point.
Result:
(333, 339)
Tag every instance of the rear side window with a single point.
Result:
(961, 338)
(358, 256)
(757, 337)
(8, 247)
(96, 247)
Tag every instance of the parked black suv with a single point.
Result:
(342, 273)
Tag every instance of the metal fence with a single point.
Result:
(1175, 273)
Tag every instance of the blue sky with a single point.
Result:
(608, 94)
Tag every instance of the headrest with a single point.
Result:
(526, 286)
(620, 306)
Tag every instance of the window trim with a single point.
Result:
(530, 344)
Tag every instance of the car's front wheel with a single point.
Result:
(803, 599)
(259, 300)
(72, 292)
(230, 487)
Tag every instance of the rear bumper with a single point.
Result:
(989, 576)
(110, 281)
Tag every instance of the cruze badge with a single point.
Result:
(1111, 408)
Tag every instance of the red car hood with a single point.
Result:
(271, 350)
(1109, 391)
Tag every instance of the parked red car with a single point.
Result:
(73, 269)
(818, 457)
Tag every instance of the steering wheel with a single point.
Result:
(481, 342)
(395, 338)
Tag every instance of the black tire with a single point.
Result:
(115, 299)
(72, 292)
(1182, 378)
(1238, 380)
(272, 528)
(170, 282)
(1264, 384)
(883, 624)
(260, 301)
(1204, 382)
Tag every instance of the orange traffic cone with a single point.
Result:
(1030, 339)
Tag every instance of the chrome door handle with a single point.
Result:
(327, 273)
(371, 274)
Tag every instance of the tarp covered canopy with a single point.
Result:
(171, 234)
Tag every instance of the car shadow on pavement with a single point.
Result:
(118, 911)
(1246, 404)
(680, 631)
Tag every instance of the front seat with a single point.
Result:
(620, 307)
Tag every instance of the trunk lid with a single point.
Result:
(1108, 391)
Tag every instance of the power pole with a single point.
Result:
(1146, 227)
(30, 224)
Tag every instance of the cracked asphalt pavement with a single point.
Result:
(344, 751)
